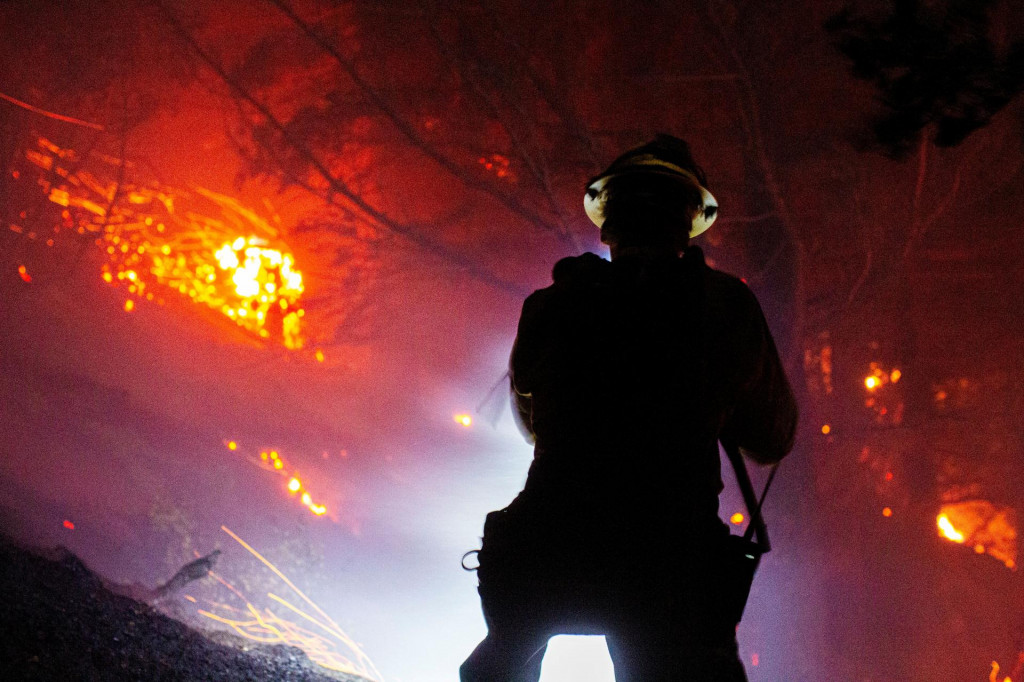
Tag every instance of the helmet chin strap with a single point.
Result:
(597, 195)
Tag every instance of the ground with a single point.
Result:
(60, 622)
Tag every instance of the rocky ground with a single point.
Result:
(58, 621)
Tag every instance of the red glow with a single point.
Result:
(24, 273)
(69, 525)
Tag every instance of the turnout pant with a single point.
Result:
(655, 645)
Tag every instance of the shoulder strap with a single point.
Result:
(757, 525)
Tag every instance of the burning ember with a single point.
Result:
(983, 526)
(200, 244)
(271, 460)
(326, 643)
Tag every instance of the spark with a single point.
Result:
(23, 272)
(463, 419)
(736, 519)
(826, 429)
(887, 512)
(871, 383)
(267, 627)
(271, 460)
(68, 524)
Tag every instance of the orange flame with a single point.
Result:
(200, 244)
(983, 526)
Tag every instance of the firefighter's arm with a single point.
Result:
(763, 421)
(522, 364)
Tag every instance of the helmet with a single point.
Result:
(666, 155)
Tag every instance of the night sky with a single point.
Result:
(423, 163)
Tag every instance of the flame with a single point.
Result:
(200, 244)
(266, 626)
(947, 530)
(983, 526)
(994, 675)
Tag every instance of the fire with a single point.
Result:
(327, 645)
(200, 244)
(947, 530)
(994, 675)
(271, 460)
(983, 526)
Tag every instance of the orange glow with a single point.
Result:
(232, 445)
(463, 419)
(947, 530)
(826, 429)
(23, 271)
(895, 375)
(294, 485)
(319, 355)
(887, 512)
(983, 526)
(871, 383)
(129, 305)
(201, 244)
(994, 675)
(736, 519)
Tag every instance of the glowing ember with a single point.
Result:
(68, 524)
(871, 383)
(994, 675)
(826, 429)
(463, 419)
(887, 512)
(201, 244)
(983, 526)
(271, 460)
(736, 519)
(327, 645)
(23, 271)
(947, 530)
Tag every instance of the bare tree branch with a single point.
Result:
(335, 185)
(403, 126)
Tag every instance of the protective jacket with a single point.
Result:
(626, 374)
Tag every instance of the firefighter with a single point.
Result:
(625, 375)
